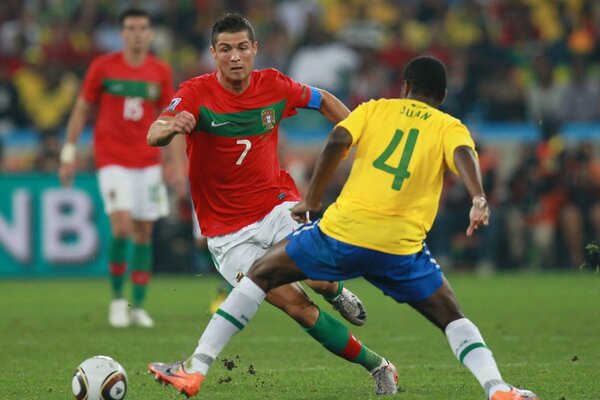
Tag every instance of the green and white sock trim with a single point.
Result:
(468, 349)
(468, 346)
(238, 324)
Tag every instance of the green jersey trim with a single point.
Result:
(244, 123)
(124, 88)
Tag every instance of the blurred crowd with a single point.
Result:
(508, 60)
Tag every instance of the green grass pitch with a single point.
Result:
(544, 331)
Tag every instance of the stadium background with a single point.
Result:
(524, 75)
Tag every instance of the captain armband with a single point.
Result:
(316, 98)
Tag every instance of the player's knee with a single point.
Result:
(448, 311)
(121, 231)
(260, 273)
(141, 237)
(121, 224)
(264, 274)
(121, 228)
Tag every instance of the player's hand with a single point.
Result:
(479, 214)
(301, 211)
(184, 122)
(66, 172)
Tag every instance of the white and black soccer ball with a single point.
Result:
(99, 378)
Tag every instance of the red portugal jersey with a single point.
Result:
(234, 170)
(129, 99)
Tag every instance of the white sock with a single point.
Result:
(233, 315)
(468, 346)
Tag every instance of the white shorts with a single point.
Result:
(140, 191)
(235, 252)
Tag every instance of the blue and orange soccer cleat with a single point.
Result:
(514, 394)
(175, 375)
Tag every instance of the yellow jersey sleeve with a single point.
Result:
(455, 136)
(356, 122)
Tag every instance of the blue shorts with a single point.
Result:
(405, 278)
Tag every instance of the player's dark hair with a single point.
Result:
(133, 12)
(427, 77)
(231, 23)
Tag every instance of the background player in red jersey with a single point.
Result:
(242, 196)
(129, 88)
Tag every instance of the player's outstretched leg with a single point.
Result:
(233, 315)
(343, 300)
(470, 349)
(239, 308)
(337, 339)
(467, 344)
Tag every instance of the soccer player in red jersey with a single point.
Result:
(129, 88)
(242, 196)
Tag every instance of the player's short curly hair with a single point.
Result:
(133, 12)
(427, 77)
(231, 23)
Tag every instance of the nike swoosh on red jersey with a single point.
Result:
(214, 125)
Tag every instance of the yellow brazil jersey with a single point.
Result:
(391, 197)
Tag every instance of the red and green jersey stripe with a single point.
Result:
(128, 88)
(253, 122)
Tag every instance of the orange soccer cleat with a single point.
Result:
(174, 374)
(514, 394)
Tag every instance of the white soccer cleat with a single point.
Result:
(139, 317)
(118, 314)
(350, 307)
(386, 379)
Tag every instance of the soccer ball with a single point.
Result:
(99, 378)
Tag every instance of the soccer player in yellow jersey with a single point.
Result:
(377, 226)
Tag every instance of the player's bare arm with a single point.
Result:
(163, 130)
(335, 150)
(468, 168)
(177, 179)
(75, 126)
(332, 108)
